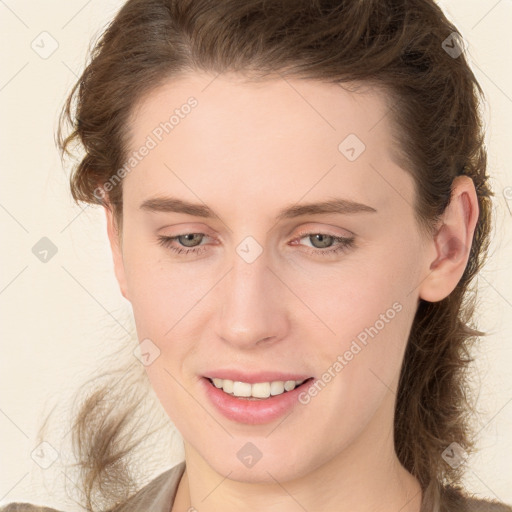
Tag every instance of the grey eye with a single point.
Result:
(190, 239)
(324, 240)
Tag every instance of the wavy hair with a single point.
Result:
(401, 47)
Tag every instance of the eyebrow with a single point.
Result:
(337, 205)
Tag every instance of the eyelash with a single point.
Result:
(344, 244)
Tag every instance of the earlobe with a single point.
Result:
(452, 242)
(117, 254)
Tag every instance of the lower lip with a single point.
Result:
(253, 412)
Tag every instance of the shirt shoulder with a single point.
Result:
(158, 496)
(457, 501)
(26, 507)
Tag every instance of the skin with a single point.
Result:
(247, 150)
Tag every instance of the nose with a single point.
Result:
(252, 304)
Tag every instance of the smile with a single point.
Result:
(258, 390)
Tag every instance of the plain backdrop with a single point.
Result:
(57, 316)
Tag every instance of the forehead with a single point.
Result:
(271, 136)
(284, 107)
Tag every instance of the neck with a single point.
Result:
(367, 478)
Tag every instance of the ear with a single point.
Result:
(115, 239)
(452, 242)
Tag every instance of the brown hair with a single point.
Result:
(401, 47)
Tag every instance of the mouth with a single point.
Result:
(258, 390)
(258, 402)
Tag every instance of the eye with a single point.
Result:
(190, 243)
(187, 238)
(321, 241)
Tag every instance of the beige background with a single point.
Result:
(58, 317)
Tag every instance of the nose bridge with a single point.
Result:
(251, 304)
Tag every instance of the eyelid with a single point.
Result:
(308, 229)
(325, 231)
(185, 228)
(342, 244)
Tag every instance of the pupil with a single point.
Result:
(190, 237)
(322, 238)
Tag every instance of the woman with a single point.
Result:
(297, 202)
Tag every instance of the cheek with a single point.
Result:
(161, 293)
(168, 385)
(367, 308)
(353, 295)
(354, 299)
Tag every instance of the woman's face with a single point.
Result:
(267, 293)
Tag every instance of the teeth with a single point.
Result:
(257, 390)
(241, 389)
(277, 387)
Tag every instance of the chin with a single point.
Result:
(265, 470)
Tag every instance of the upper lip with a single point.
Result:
(251, 378)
